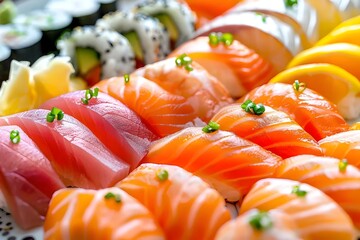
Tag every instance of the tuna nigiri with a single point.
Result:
(345, 145)
(181, 76)
(116, 126)
(27, 180)
(227, 162)
(335, 178)
(75, 153)
(239, 68)
(164, 113)
(316, 215)
(184, 205)
(259, 225)
(273, 130)
(107, 214)
(310, 110)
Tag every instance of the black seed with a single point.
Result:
(11, 238)
(1, 222)
(7, 214)
(154, 38)
(8, 223)
(111, 44)
(103, 63)
(5, 233)
(107, 50)
(10, 228)
(123, 59)
(28, 238)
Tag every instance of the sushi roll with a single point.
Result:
(5, 60)
(83, 12)
(177, 18)
(51, 23)
(107, 6)
(97, 53)
(24, 41)
(147, 36)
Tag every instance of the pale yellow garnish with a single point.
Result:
(17, 94)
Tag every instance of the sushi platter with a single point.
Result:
(179, 119)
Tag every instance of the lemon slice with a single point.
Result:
(17, 94)
(348, 34)
(332, 82)
(349, 22)
(344, 55)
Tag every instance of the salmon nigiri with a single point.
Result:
(316, 215)
(27, 179)
(107, 214)
(344, 145)
(120, 129)
(273, 130)
(335, 178)
(184, 205)
(227, 162)
(76, 154)
(163, 112)
(183, 77)
(273, 39)
(259, 225)
(239, 68)
(311, 111)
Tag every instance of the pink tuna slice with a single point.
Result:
(27, 179)
(78, 157)
(120, 129)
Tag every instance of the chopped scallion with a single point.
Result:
(15, 136)
(251, 107)
(300, 193)
(162, 175)
(211, 127)
(260, 221)
(343, 165)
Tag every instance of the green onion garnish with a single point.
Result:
(343, 165)
(251, 107)
(55, 113)
(89, 94)
(184, 61)
(214, 39)
(290, 3)
(111, 195)
(260, 221)
(300, 193)
(263, 17)
(211, 127)
(126, 78)
(15, 136)
(217, 38)
(162, 175)
(299, 86)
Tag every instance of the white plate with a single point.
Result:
(10, 231)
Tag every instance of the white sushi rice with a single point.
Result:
(154, 39)
(75, 8)
(180, 13)
(116, 55)
(5, 52)
(18, 36)
(45, 19)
